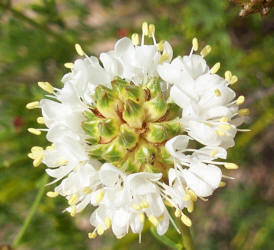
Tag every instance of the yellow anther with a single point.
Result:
(205, 51)
(243, 112)
(100, 196)
(168, 203)
(34, 131)
(62, 162)
(136, 207)
(37, 161)
(79, 49)
(178, 213)
(164, 57)
(231, 166)
(228, 75)
(222, 184)
(73, 199)
(135, 39)
(220, 133)
(225, 126)
(145, 28)
(190, 208)
(151, 30)
(187, 197)
(144, 204)
(73, 211)
(195, 44)
(46, 86)
(233, 80)
(153, 220)
(87, 190)
(160, 45)
(51, 147)
(69, 65)
(224, 119)
(240, 100)
(161, 218)
(40, 120)
(92, 235)
(217, 92)
(186, 220)
(100, 230)
(215, 68)
(36, 149)
(108, 222)
(141, 217)
(32, 105)
(192, 195)
(213, 152)
(52, 194)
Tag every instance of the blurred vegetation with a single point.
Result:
(37, 38)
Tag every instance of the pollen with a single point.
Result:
(69, 65)
(61, 162)
(144, 204)
(79, 49)
(151, 30)
(231, 166)
(40, 120)
(225, 126)
(164, 57)
(92, 235)
(145, 28)
(215, 68)
(217, 92)
(160, 45)
(220, 132)
(190, 208)
(100, 230)
(187, 197)
(100, 196)
(178, 213)
(73, 211)
(141, 217)
(33, 105)
(34, 131)
(136, 207)
(228, 75)
(186, 220)
(108, 222)
(195, 44)
(46, 86)
(222, 184)
(135, 39)
(192, 195)
(224, 119)
(233, 80)
(243, 112)
(205, 51)
(73, 199)
(87, 190)
(240, 100)
(213, 152)
(52, 194)
(154, 221)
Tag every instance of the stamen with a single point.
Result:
(34, 131)
(205, 51)
(62, 162)
(153, 220)
(160, 46)
(233, 80)
(178, 213)
(46, 86)
(213, 152)
(240, 100)
(151, 30)
(87, 190)
(37, 161)
(40, 120)
(108, 222)
(224, 119)
(51, 147)
(100, 230)
(33, 105)
(69, 65)
(136, 207)
(222, 184)
(187, 197)
(141, 217)
(190, 208)
(79, 50)
(192, 195)
(73, 199)
(144, 204)
(231, 166)
(73, 211)
(228, 75)
(52, 194)
(92, 235)
(100, 196)
(145, 29)
(225, 126)
(243, 112)
(186, 220)
(168, 203)
(164, 57)
(220, 132)
(215, 68)
(135, 39)
(195, 44)
(217, 92)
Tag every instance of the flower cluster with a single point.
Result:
(138, 134)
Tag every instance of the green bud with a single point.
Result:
(174, 111)
(91, 128)
(133, 114)
(134, 93)
(154, 87)
(108, 129)
(164, 156)
(128, 137)
(146, 153)
(155, 108)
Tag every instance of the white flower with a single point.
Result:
(118, 128)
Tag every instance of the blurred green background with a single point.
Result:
(37, 37)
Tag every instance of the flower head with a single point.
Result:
(123, 133)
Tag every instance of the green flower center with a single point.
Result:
(128, 126)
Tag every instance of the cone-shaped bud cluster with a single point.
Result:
(128, 126)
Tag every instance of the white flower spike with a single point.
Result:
(120, 130)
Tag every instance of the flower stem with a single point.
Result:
(32, 211)
(187, 238)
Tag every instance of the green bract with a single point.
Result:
(128, 126)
